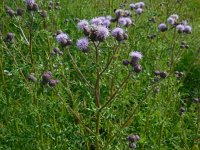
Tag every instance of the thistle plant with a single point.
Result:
(87, 76)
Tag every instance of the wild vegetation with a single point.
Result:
(100, 74)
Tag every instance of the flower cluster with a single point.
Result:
(82, 44)
(63, 39)
(95, 30)
(159, 75)
(31, 5)
(181, 27)
(47, 79)
(134, 62)
(133, 139)
(138, 7)
(12, 13)
(125, 21)
(173, 19)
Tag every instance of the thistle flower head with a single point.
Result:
(188, 29)
(119, 34)
(162, 27)
(122, 21)
(142, 4)
(132, 6)
(82, 44)
(46, 76)
(102, 33)
(139, 5)
(30, 2)
(136, 54)
(117, 31)
(171, 20)
(180, 28)
(139, 11)
(82, 24)
(106, 23)
(62, 37)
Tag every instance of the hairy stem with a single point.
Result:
(31, 42)
(97, 95)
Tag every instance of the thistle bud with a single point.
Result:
(44, 14)
(35, 7)
(163, 74)
(32, 78)
(20, 12)
(125, 62)
(53, 82)
(138, 68)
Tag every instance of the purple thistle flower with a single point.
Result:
(119, 34)
(132, 6)
(188, 29)
(62, 38)
(82, 24)
(102, 33)
(142, 4)
(106, 23)
(136, 54)
(30, 2)
(83, 44)
(162, 27)
(171, 20)
(180, 28)
(139, 11)
(122, 21)
(117, 31)
(96, 21)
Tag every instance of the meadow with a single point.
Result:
(99, 75)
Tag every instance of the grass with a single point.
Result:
(67, 116)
